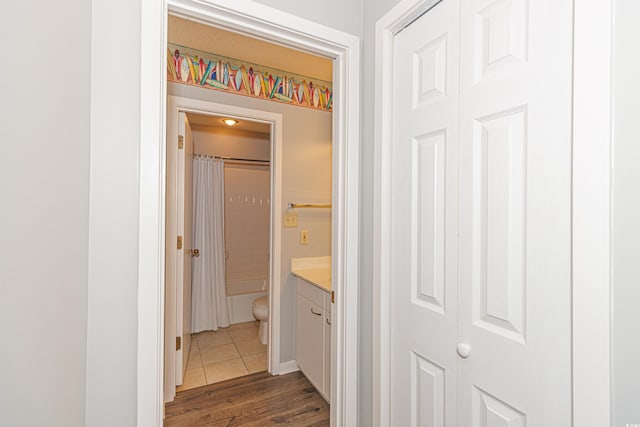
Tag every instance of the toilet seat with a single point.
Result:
(262, 302)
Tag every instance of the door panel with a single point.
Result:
(184, 229)
(427, 392)
(188, 242)
(428, 184)
(491, 412)
(424, 198)
(500, 173)
(515, 205)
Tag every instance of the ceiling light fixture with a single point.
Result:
(230, 122)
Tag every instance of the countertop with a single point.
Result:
(315, 270)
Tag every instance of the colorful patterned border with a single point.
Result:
(230, 75)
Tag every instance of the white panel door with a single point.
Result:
(424, 212)
(481, 208)
(184, 228)
(515, 210)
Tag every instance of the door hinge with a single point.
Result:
(333, 297)
(180, 142)
(179, 242)
(178, 343)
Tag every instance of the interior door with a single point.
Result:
(515, 211)
(184, 257)
(424, 312)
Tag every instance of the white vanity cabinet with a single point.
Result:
(313, 334)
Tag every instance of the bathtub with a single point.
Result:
(240, 297)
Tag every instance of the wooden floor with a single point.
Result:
(255, 400)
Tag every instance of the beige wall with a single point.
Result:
(219, 141)
(306, 177)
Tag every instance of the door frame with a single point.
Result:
(176, 104)
(591, 308)
(276, 26)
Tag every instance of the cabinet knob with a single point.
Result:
(463, 350)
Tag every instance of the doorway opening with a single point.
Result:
(208, 88)
(288, 30)
(254, 153)
(231, 233)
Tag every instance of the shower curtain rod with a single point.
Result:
(236, 159)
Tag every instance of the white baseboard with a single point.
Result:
(288, 367)
(167, 398)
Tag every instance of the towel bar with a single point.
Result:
(293, 205)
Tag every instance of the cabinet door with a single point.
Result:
(327, 352)
(309, 352)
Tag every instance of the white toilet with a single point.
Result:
(261, 313)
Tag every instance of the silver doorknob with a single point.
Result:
(194, 252)
(463, 350)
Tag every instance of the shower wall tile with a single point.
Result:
(247, 217)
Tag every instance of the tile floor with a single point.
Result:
(227, 353)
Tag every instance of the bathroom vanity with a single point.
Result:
(313, 320)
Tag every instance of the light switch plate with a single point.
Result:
(304, 237)
(290, 219)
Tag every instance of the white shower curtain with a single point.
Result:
(208, 295)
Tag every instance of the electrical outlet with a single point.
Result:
(304, 237)
(290, 219)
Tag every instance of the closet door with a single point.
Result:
(424, 220)
(515, 211)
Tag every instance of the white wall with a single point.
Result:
(113, 212)
(306, 177)
(373, 11)
(344, 15)
(626, 216)
(44, 172)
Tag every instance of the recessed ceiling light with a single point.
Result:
(230, 122)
